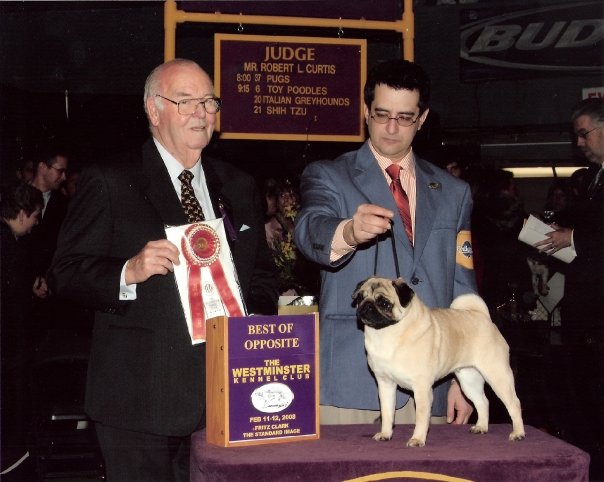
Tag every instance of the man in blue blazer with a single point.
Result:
(146, 381)
(347, 217)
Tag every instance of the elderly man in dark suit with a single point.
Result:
(146, 381)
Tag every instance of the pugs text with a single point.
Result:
(411, 345)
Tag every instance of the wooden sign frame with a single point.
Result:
(290, 88)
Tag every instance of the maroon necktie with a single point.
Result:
(189, 202)
(401, 199)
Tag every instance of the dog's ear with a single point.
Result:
(404, 293)
(357, 296)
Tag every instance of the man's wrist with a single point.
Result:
(348, 234)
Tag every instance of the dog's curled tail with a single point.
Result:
(470, 301)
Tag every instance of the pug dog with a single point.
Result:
(411, 345)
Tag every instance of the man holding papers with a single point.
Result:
(583, 312)
(583, 303)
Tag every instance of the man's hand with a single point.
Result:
(40, 288)
(157, 257)
(458, 408)
(367, 222)
(555, 240)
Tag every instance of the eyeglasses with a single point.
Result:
(403, 120)
(189, 106)
(60, 170)
(583, 134)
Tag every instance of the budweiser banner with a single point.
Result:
(528, 40)
(206, 276)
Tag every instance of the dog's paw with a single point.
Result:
(517, 436)
(477, 429)
(381, 436)
(415, 442)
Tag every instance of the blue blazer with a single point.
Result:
(331, 192)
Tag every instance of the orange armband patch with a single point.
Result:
(463, 250)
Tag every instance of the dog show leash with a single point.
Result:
(377, 242)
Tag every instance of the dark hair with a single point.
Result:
(15, 197)
(399, 74)
(592, 107)
(501, 180)
(48, 156)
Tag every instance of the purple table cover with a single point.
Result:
(348, 451)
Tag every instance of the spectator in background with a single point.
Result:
(70, 185)
(497, 219)
(50, 172)
(20, 206)
(297, 276)
(270, 197)
(451, 158)
(557, 203)
(25, 170)
(584, 307)
(476, 175)
(577, 184)
(583, 302)
(454, 169)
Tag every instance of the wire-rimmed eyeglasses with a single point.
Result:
(189, 106)
(403, 120)
(60, 170)
(583, 134)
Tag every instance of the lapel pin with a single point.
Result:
(434, 185)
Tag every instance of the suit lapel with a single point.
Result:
(157, 187)
(428, 196)
(369, 180)
(214, 185)
(220, 200)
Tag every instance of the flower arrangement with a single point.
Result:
(284, 250)
(285, 256)
(295, 274)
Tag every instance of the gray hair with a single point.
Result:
(592, 107)
(152, 82)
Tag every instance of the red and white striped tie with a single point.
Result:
(401, 199)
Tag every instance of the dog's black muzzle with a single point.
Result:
(371, 316)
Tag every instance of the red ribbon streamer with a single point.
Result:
(201, 247)
(196, 303)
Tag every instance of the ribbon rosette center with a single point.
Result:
(201, 248)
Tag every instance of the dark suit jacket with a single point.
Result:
(583, 303)
(144, 374)
(42, 241)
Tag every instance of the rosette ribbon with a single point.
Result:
(201, 248)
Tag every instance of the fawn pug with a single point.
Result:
(411, 345)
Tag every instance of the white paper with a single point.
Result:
(555, 293)
(175, 234)
(535, 230)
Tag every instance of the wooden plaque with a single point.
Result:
(262, 383)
